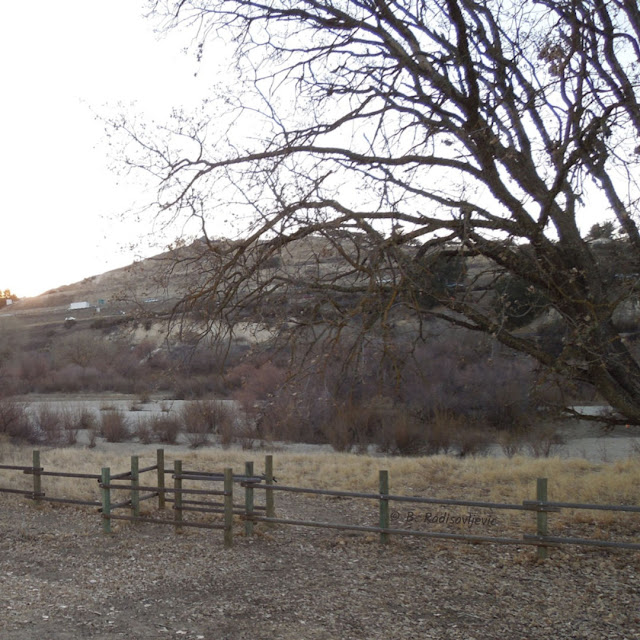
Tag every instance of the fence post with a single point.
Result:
(37, 478)
(542, 516)
(384, 505)
(105, 479)
(135, 483)
(228, 507)
(160, 465)
(248, 500)
(177, 485)
(268, 478)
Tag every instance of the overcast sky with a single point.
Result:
(61, 63)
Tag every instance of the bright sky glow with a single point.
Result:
(61, 63)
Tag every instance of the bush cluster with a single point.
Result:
(454, 392)
(88, 360)
(198, 421)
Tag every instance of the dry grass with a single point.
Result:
(487, 479)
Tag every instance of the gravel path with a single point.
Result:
(62, 579)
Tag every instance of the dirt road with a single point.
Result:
(62, 579)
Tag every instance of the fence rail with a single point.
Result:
(251, 513)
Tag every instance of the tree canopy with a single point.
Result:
(401, 131)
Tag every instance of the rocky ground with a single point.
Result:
(61, 578)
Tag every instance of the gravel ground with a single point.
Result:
(62, 579)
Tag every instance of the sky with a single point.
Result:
(61, 64)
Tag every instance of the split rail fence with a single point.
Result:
(182, 500)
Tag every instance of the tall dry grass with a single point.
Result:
(487, 479)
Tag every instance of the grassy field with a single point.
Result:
(482, 478)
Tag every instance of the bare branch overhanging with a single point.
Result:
(490, 124)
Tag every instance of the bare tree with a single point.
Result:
(398, 134)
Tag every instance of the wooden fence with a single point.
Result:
(250, 513)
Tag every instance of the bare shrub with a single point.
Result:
(227, 429)
(86, 419)
(15, 422)
(397, 426)
(49, 423)
(337, 434)
(72, 378)
(166, 428)
(408, 436)
(144, 430)
(192, 388)
(441, 430)
(197, 434)
(144, 397)
(67, 379)
(247, 436)
(204, 415)
(201, 418)
(254, 382)
(33, 369)
(70, 420)
(33, 366)
(353, 424)
(82, 348)
(471, 381)
(114, 426)
(472, 441)
(542, 442)
(289, 418)
(511, 442)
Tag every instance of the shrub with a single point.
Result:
(114, 426)
(352, 424)
(441, 430)
(408, 436)
(255, 383)
(227, 430)
(86, 419)
(247, 435)
(196, 429)
(49, 424)
(511, 442)
(144, 430)
(195, 387)
(15, 422)
(70, 421)
(203, 416)
(472, 441)
(92, 435)
(197, 435)
(33, 368)
(543, 441)
(166, 428)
